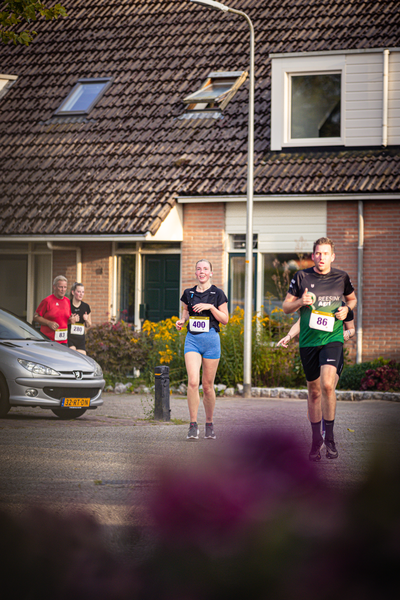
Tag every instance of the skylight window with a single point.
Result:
(84, 96)
(217, 90)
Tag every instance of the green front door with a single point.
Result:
(161, 286)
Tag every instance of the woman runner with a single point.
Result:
(204, 308)
(81, 312)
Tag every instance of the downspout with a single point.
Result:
(114, 258)
(385, 97)
(78, 251)
(360, 280)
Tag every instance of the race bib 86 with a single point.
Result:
(322, 321)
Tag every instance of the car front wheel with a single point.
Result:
(4, 396)
(66, 414)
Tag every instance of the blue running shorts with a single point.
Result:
(207, 344)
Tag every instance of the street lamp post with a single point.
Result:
(248, 281)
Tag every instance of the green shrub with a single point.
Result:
(352, 375)
(119, 349)
(116, 347)
(164, 344)
(271, 366)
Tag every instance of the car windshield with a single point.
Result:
(13, 328)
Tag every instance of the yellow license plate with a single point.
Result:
(76, 402)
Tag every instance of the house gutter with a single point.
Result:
(78, 251)
(287, 198)
(360, 281)
(385, 108)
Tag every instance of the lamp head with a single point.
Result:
(212, 4)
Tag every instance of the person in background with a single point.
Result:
(54, 312)
(81, 312)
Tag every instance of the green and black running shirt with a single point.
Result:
(328, 291)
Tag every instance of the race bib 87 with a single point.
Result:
(322, 321)
(199, 324)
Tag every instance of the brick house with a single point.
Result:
(124, 144)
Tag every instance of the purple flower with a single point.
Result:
(213, 506)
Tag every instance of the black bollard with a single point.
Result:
(162, 411)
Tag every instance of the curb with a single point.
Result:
(351, 396)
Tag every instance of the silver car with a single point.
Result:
(35, 371)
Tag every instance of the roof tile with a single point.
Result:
(123, 167)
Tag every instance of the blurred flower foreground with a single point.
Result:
(255, 522)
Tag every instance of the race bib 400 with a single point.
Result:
(322, 321)
(199, 324)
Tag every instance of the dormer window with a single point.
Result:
(309, 102)
(217, 90)
(315, 106)
(84, 96)
(6, 81)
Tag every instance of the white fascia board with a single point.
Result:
(76, 238)
(287, 198)
(331, 52)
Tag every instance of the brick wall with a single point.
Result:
(342, 228)
(381, 314)
(381, 273)
(96, 275)
(64, 263)
(203, 237)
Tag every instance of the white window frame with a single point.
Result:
(212, 103)
(107, 81)
(282, 69)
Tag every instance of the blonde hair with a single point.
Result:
(204, 260)
(59, 278)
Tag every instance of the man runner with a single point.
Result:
(54, 313)
(318, 293)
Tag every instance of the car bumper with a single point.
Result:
(49, 392)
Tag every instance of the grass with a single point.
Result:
(179, 422)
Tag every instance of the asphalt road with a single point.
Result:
(107, 460)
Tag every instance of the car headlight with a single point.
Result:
(98, 372)
(37, 369)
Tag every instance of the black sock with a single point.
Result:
(329, 430)
(316, 431)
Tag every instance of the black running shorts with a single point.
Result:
(313, 357)
(78, 341)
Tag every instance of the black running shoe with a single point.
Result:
(315, 453)
(210, 433)
(193, 433)
(330, 447)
